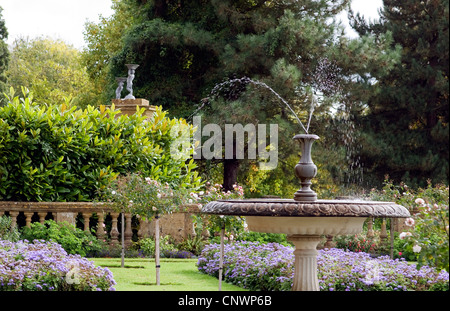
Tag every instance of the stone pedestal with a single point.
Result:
(128, 106)
(305, 273)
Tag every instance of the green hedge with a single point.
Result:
(61, 153)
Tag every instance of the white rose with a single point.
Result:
(417, 249)
(403, 235)
(409, 222)
(420, 201)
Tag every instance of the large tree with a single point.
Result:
(50, 69)
(4, 54)
(405, 132)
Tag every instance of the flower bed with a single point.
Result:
(270, 267)
(47, 266)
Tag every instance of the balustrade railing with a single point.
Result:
(94, 216)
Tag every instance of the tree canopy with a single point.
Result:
(405, 130)
(50, 69)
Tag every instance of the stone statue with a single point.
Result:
(120, 82)
(131, 70)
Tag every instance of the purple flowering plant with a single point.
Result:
(270, 267)
(46, 266)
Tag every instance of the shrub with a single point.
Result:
(271, 266)
(147, 246)
(356, 243)
(6, 232)
(428, 233)
(193, 244)
(45, 266)
(261, 237)
(61, 153)
(71, 239)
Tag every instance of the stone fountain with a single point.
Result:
(305, 218)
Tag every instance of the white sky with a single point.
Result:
(58, 19)
(64, 19)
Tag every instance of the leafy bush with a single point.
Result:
(428, 231)
(356, 243)
(6, 232)
(71, 239)
(271, 267)
(45, 266)
(147, 246)
(193, 244)
(61, 153)
(261, 237)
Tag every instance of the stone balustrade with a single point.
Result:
(93, 217)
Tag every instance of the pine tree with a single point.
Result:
(406, 128)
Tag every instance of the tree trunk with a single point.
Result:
(230, 170)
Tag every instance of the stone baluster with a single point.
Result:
(13, 215)
(370, 232)
(100, 230)
(28, 216)
(42, 216)
(128, 232)
(383, 233)
(114, 230)
(86, 217)
(329, 242)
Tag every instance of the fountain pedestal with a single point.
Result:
(305, 266)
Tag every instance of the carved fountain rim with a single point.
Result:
(318, 208)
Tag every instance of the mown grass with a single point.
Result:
(138, 274)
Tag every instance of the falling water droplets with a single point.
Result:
(231, 89)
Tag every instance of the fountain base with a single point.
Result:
(305, 266)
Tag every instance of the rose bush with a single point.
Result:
(427, 233)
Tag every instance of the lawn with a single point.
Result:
(175, 275)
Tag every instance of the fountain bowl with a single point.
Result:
(305, 222)
(321, 217)
(294, 208)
